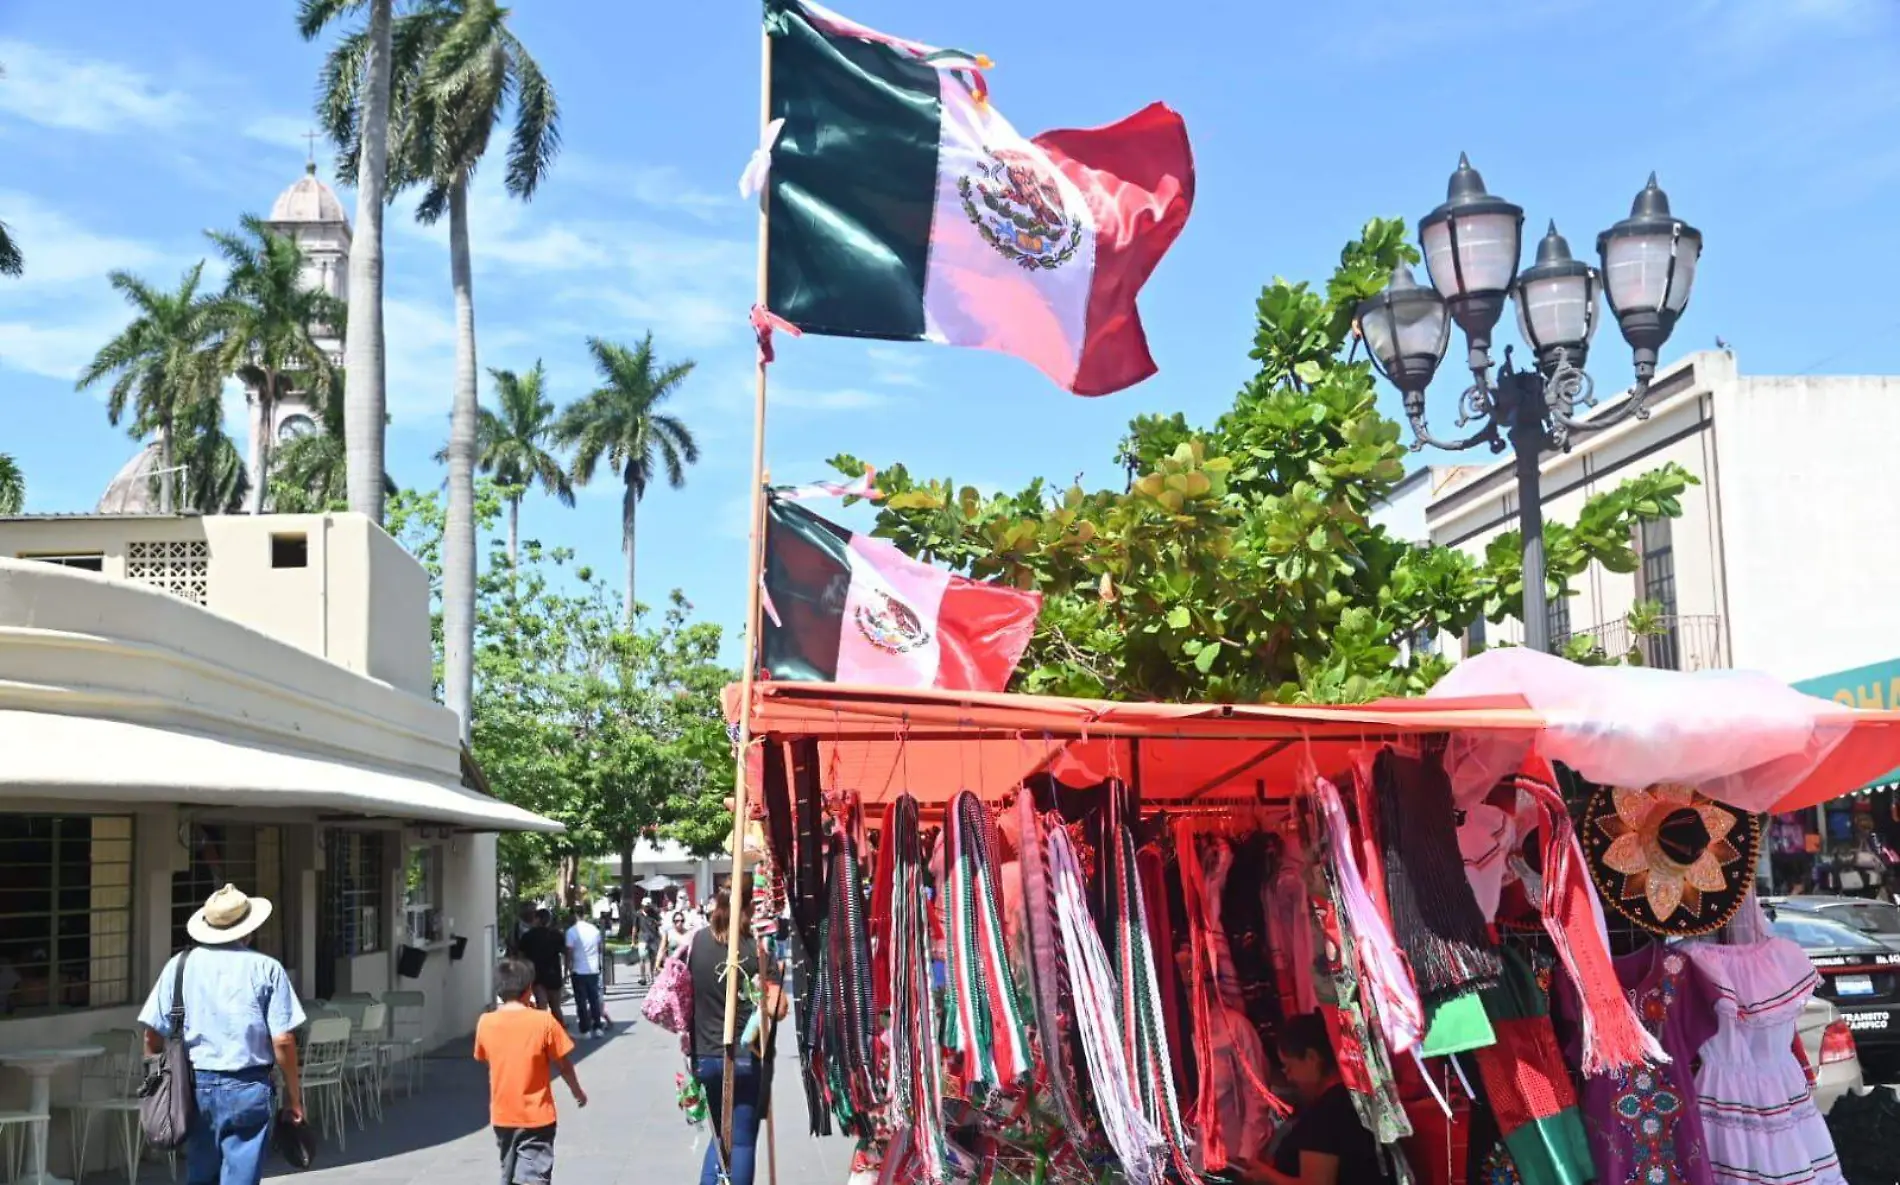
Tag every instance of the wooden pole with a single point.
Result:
(755, 565)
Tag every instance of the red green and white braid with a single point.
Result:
(986, 1029)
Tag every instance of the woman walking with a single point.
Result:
(706, 958)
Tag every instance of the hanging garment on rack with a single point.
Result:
(1757, 1108)
(913, 1067)
(1434, 915)
(1642, 1122)
(841, 1020)
(1233, 1108)
(1154, 895)
(1380, 971)
(1141, 1148)
(1290, 928)
(1528, 1085)
(985, 1028)
(1150, 1060)
(1047, 973)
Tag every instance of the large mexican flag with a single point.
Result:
(846, 608)
(903, 206)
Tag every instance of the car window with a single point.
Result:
(1871, 917)
(1813, 933)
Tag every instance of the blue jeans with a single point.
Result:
(745, 1116)
(587, 1003)
(226, 1145)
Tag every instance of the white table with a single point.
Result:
(40, 1065)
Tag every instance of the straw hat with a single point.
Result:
(228, 916)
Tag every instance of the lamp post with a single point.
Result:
(1471, 245)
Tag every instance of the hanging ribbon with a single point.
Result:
(764, 323)
(1150, 1058)
(758, 167)
(985, 1028)
(864, 487)
(842, 1020)
(913, 1070)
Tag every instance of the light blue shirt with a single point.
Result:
(236, 1000)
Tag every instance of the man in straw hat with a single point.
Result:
(241, 1017)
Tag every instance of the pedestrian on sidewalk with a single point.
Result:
(524, 1047)
(585, 952)
(542, 945)
(706, 958)
(241, 1017)
(649, 921)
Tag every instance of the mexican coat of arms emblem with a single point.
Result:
(1016, 205)
(890, 625)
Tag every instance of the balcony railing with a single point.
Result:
(1681, 643)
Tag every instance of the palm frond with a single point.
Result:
(536, 139)
(314, 16)
(12, 486)
(12, 261)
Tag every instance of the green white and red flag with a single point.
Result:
(847, 608)
(903, 206)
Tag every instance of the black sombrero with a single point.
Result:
(1668, 858)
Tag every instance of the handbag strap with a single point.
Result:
(178, 995)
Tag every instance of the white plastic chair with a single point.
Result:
(108, 1090)
(326, 1052)
(407, 1023)
(14, 1151)
(363, 1066)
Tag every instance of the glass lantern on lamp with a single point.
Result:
(1649, 263)
(1471, 244)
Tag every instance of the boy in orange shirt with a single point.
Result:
(521, 1044)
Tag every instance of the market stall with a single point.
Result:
(1051, 939)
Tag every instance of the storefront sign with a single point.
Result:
(1876, 686)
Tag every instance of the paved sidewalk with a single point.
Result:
(630, 1134)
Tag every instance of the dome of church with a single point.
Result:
(132, 490)
(308, 200)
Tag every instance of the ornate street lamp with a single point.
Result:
(1471, 245)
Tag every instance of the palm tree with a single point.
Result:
(361, 131)
(509, 445)
(163, 363)
(12, 486)
(216, 480)
(310, 474)
(12, 263)
(620, 420)
(456, 70)
(268, 316)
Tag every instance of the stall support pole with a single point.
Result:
(741, 807)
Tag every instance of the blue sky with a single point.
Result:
(126, 129)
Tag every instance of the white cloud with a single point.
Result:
(57, 90)
(286, 131)
(836, 399)
(661, 187)
(57, 352)
(60, 251)
(898, 366)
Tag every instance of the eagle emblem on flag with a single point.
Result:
(1015, 202)
(890, 625)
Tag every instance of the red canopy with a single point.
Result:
(882, 741)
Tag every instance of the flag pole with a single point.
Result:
(755, 562)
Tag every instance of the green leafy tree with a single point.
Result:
(213, 477)
(163, 365)
(458, 72)
(12, 486)
(620, 422)
(355, 113)
(269, 318)
(1241, 562)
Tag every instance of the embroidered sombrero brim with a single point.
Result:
(1669, 859)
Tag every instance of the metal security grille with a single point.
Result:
(1557, 620)
(65, 912)
(219, 854)
(356, 884)
(1659, 585)
(179, 568)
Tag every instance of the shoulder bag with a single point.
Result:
(168, 1098)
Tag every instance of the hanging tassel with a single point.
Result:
(986, 1029)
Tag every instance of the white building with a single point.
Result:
(187, 701)
(1780, 561)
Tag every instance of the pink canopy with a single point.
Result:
(1740, 737)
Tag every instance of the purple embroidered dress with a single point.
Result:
(1643, 1125)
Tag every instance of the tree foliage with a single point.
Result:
(1241, 562)
(578, 716)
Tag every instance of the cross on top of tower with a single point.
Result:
(310, 138)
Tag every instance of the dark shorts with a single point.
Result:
(527, 1155)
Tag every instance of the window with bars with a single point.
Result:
(65, 912)
(1656, 543)
(1557, 620)
(422, 894)
(1474, 638)
(356, 884)
(250, 857)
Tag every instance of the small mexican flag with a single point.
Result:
(903, 206)
(845, 608)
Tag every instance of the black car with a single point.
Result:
(1879, 920)
(1859, 975)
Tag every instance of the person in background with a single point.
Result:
(524, 1047)
(676, 936)
(706, 958)
(585, 953)
(241, 1018)
(1323, 1143)
(542, 945)
(649, 942)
